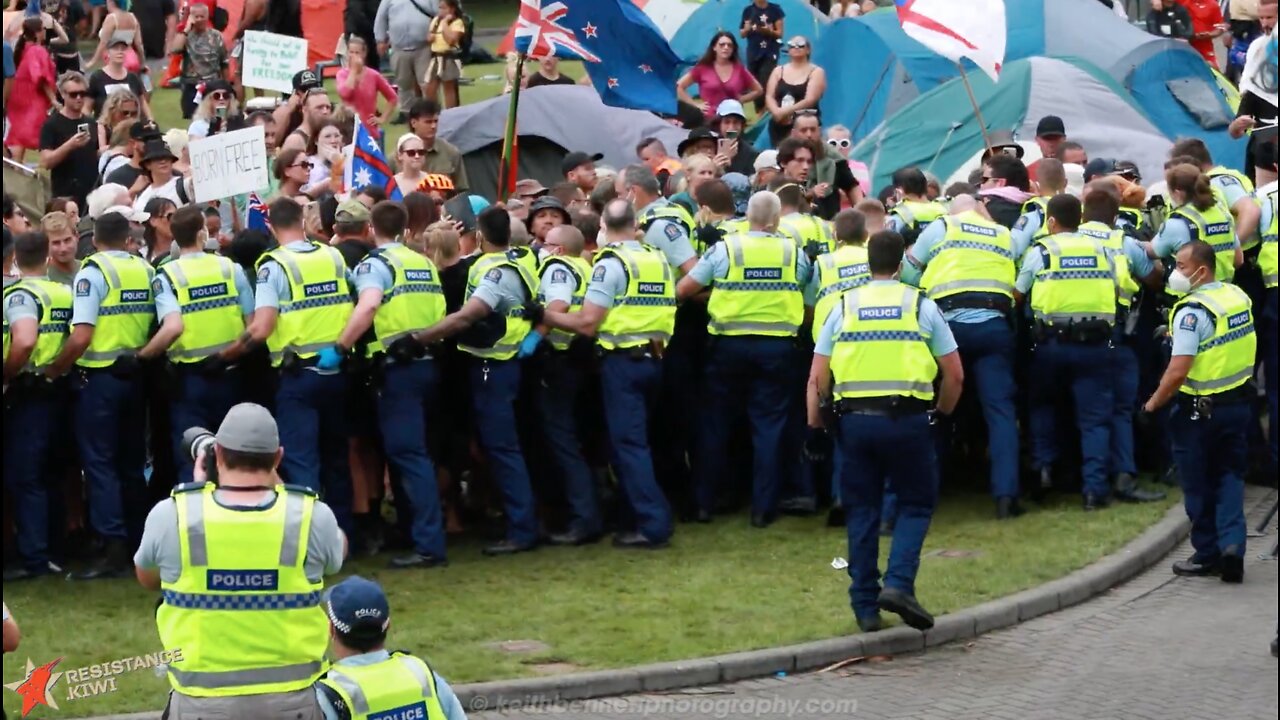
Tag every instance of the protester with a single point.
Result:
(34, 82)
(445, 36)
(120, 26)
(761, 27)
(797, 85)
(120, 108)
(359, 87)
(157, 164)
(441, 156)
(401, 28)
(548, 73)
(69, 142)
(292, 171)
(324, 153)
(114, 77)
(217, 112)
(204, 55)
(719, 75)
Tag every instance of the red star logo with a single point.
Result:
(36, 687)
(646, 69)
(590, 30)
(613, 83)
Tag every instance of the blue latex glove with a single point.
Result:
(529, 345)
(329, 358)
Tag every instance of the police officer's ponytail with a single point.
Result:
(1191, 182)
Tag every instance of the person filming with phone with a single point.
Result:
(731, 121)
(241, 561)
(69, 142)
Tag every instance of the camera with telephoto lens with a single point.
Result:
(196, 439)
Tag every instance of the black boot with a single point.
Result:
(1008, 508)
(1127, 490)
(906, 607)
(114, 562)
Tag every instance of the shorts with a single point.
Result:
(445, 68)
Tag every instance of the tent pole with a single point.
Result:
(506, 171)
(986, 138)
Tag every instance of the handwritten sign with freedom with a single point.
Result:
(229, 164)
(270, 60)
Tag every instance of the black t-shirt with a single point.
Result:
(153, 29)
(759, 44)
(76, 175)
(827, 207)
(125, 175)
(353, 252)
(453, 280)
(538, 79)
(101, 85)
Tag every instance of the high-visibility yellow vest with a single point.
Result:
(669, 210)
(581, 272)
(415, 300)
(838, 273)
(1113, 241)
(209, 300)
(402, 687)
(1077, 282)
(880, 349)
(526, 258)
(517, 326)
(1267, 256)
(648, 310)
(243, 612)
(1216, 227)
(974, 259)
(1240, 177)
(809, 232)
(1225, 361)
(916, 216)
(1136, 218)
(319, 302)
(1040, 206)
(127, 312)
(761, 293)
(733, 226)
(53, 301)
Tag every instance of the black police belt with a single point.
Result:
(1002, 304)
(1246, 393)
(639, 352)
(887, 406)
(1085, 332)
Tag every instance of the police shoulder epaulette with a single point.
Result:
(303, 489)
(189, 487)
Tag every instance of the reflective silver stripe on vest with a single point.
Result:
(179, 276)
(244, 678)
(360, 702)
(95, 355)
(489, 352)
(199, 353)
(1219, 384)
(108, 270)
(971, 285)
(883, 386)
(285, 257)
(196, 545)
(634, 337)
(294, 509)
(751, 327)
(1054, 318)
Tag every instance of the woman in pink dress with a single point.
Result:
(33, 89)
(719, 75)
(359, 87)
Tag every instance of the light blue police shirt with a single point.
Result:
(668, 236)
(557, 283)
(1140, 264)
(448, 698)
(1230, 188)
(609, 279)
(1024, 231)
(501, 289)
(21, 305)
(167, 299)
(715, 264)
(90, 289)
(932, 325)
(373, 274)
(1192, 326)
(923, 251)
(1175, 233)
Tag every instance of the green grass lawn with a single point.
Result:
(720, 588)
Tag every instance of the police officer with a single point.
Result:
(1232, 187)
(564, 370)
(1072, 285)
(112, 313)
(666, 226)
(303, 302)
(204, 303)
(37, 313)
(630, 309)
(914, 210)
(1033, 225)
(809, 232)
(878, 354)
(1101, 206)
(757, 310)
(493, 317)
(241, 565)
(1267, 264)
(368, 681)
(1197, 215)
(968, 265)
(399, 294)
(1209, 374)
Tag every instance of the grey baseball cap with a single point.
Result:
(249, 428)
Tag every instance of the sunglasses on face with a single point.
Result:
(841, 143)
(797, 45)
(414, 153)
(220, 95)
(76, 94)
(129, 114)
(304, 164)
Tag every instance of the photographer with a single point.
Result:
(232, 585)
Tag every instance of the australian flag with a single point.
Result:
(256, 216)
(629, 61)
(369, 166)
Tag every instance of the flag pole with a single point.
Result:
(986, 137)
(505, 171)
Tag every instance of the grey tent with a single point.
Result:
(554, 120)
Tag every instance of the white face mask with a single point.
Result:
(1180, 283)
